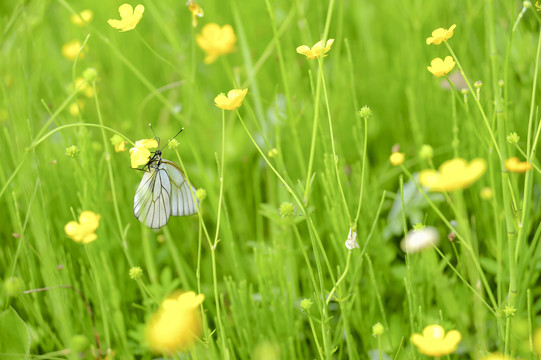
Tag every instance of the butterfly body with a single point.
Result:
(163, 191)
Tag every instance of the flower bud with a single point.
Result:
(136, 273)
(72, 151)
(90, 75)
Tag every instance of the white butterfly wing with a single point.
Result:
(152, 203)
(183, 200)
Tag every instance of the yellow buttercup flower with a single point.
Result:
(84, 230)
(129, 17)
(440, 35)
(196, 11)
(140, 154)
(315, 51)
(439, 67)
(232, 101)
(515, 165)
(397, 158)
(435, 342)
(453, 174)
(86, 15)
(71, 49)
(176, 325)
(215, 41)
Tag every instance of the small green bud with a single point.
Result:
(365, 112)
(72, 151)
(527, 4)
(513, 138)
(377, 330)
(306, 304)
(79, 344)
(464, 91)
(478, 84)
(287, 209)
(426, 152)
(116, 139)
(14, 286)
(509, 311)
(90, 75)
(501, 83)
(419, 227)
(173, 144)
(136, 273)
(201, 194)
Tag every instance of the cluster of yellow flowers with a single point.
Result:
(439, 67)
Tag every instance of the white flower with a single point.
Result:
(351, 242)
(417, 240)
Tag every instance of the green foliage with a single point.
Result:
(282, 182)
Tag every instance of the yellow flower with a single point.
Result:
(215, 41)
(232, 101)
(118, 142)
(84, 87)
(317, 50)
(130, 18)
(434, 341)
(87, 16)
(140, 154)
(486, 193)
(453, 175)
(76, 107)
(176, 325)
(83, 231)
(397, 158)
(196, 11)
(71, 49)
(537, 6)
(440, 35)
(515, 165)
(439, 67)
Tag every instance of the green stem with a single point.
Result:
(335, 157)
(342, 277)
(314, 132)
(483, 115)
(363, 167)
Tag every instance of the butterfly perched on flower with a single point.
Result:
(163, 191)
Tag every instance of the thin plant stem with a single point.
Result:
(363, 167)
(335, 157)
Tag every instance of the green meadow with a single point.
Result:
(305, 200)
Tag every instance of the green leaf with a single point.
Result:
(14, 336)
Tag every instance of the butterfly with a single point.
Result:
(163, 191)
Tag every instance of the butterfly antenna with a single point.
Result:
(174, 136)
(155, 136)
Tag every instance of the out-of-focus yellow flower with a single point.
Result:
(397, 158)
(319, 49)
(84, 230)
(118, 142)
(515, 165)
(71, 49)
(140, 154)
(439, 67)
(215, 41)
(196, 10)
(129, 17)
(273, 152)
(453, 174)
(76, 107)
(537, 341)
(176, 325)
(84, 87)
(232, 101)
(435, 342)
(537, 6)
(487, 193)
(440, 35)
(86, 15)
